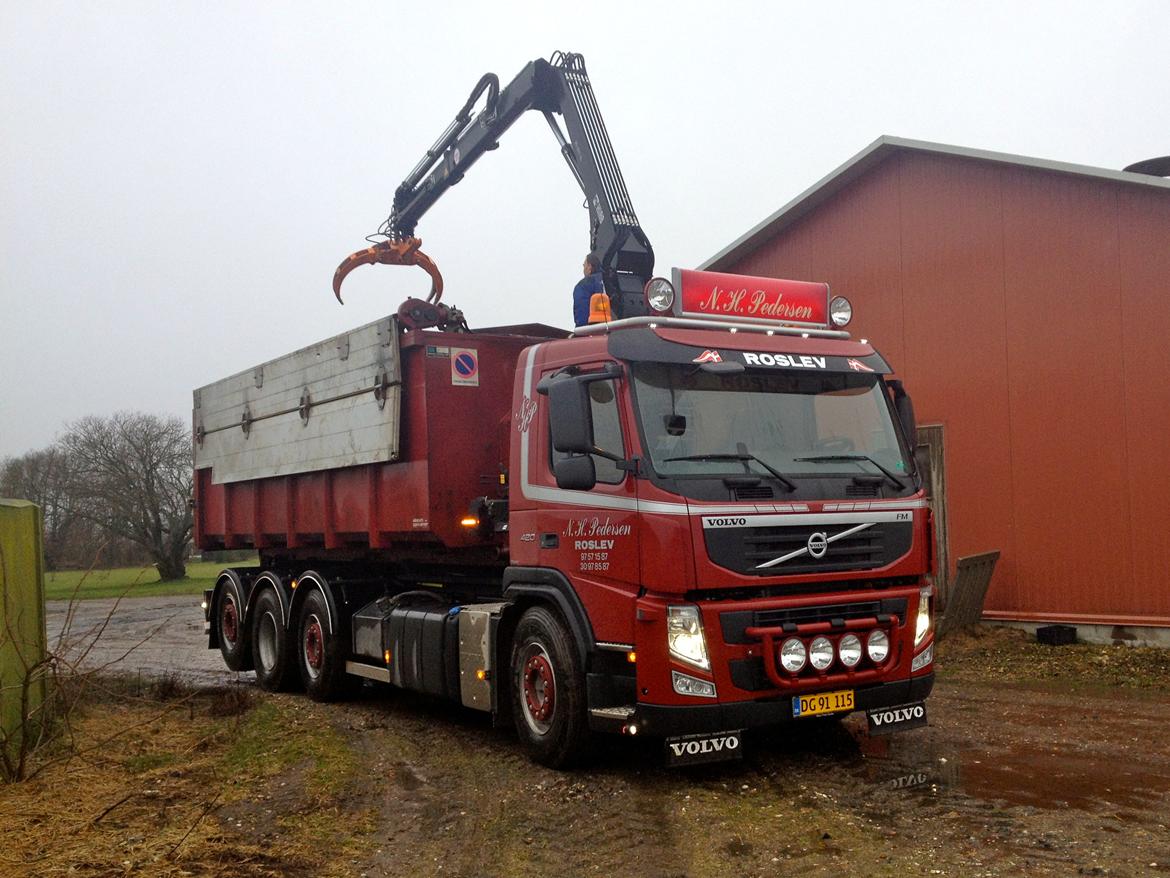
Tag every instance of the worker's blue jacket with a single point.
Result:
(582, 293)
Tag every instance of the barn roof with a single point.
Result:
(877, 152)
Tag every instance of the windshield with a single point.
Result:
(823, 423)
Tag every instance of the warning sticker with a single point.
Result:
(465, 366)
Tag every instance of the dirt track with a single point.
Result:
(1007, 780)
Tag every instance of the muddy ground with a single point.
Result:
(1037, 761)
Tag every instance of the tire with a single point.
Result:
(235, 644)
(548, 691)
(321, 655)
(271, 644)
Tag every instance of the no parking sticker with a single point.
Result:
(465, 366)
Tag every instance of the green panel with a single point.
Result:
(22, 604)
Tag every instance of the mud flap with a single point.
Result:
(887, 720)
(696, 749)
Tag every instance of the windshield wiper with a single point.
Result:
(843, 458)
(742, 456)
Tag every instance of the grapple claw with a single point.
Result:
(401, 252)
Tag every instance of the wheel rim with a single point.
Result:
(539, 685)
(313, 646)
(229, 620)
(266, 641)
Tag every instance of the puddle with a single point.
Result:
(1028, 776)
(407, 777)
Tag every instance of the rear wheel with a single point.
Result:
(548, 691)
(321, 654)
(271, 648)
(234, 644)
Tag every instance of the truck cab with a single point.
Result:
(729, 504)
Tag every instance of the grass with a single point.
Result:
(275, 738)
(132, 581)
(177, 788)
(1008, 655)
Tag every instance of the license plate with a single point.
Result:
(822, 703)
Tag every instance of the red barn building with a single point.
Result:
(1027, 305)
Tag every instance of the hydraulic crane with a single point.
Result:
(558, 87)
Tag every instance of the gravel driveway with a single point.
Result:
(154, 637)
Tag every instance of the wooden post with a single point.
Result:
(23, 682)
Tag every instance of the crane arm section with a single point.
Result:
(556, 88)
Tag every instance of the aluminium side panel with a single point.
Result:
(333, 404)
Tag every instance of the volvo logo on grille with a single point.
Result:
(818, 544)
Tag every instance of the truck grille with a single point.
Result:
(744, 549)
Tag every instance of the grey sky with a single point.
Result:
(179, 181)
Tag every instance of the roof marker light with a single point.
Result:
(840, 311)
(804, 335)
(659, 293)
(599, 308)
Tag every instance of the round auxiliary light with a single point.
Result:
(792, 655)
(849, 650)
(878, 646)
(820, 653)
(840, 311)
(659, 294)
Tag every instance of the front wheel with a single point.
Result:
(548, 691)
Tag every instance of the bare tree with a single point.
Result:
(132, 476)
(43, 478)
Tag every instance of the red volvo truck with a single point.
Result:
(698, 518)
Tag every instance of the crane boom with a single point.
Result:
(559, 87)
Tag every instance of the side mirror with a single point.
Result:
(904, 406)
(576, 473)
(570, 416)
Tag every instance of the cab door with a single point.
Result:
(592, 537)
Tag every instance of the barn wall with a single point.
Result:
(1028, 312)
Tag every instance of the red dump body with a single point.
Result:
(453, 447)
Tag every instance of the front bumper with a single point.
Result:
(666, 721)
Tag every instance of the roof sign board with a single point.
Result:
(756, 299)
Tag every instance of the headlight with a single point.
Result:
(840, 311)
(659, 294)
(878, 646)
(922, 626)
(820, 653)
(849, 650)
(684, 636)
(792, 655)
